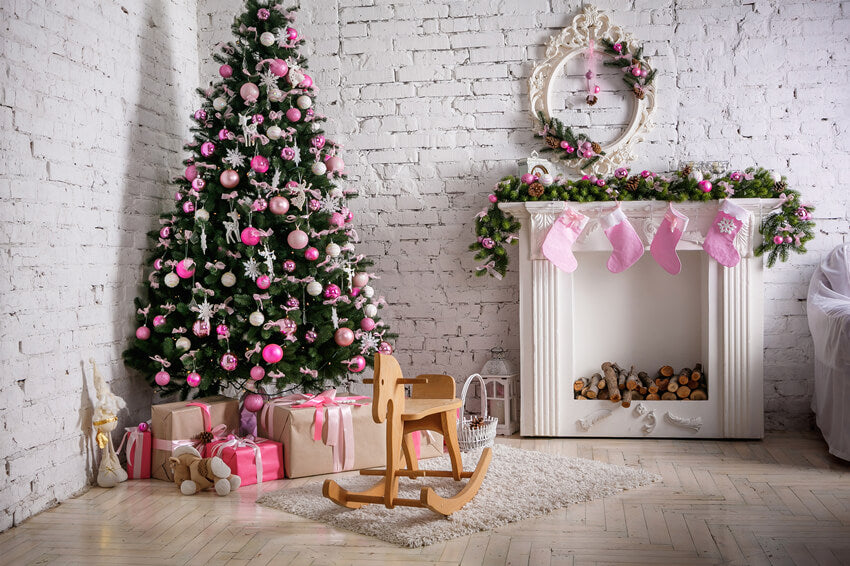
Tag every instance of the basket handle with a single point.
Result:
(483, 394)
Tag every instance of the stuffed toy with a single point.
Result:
(104, 420)
(193, 473)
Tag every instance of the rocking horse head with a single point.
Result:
(387, 374)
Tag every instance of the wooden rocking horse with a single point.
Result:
(432, 406)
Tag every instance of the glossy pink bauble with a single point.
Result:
(358, 364)
(207, 149)
(311, 254)
(778, 240)
(200, 114)
(335, 164)
(297, 239)
(201, 328)
(188, 207)
(198, 184)
(360, 279)
(337, 219)
(293, 114)
(228, 361)
(344, 336)
(143, 427)
(292, 303)
(178, 196)
(158, 320)
(788, 239)
(264, 282)
(190, 173)
(279, 205)
(291, 34)
(315, 204)
(636, 71)
(354, 292)
(528, 178)
(367, 325)
(385, 348)
(223, 134)
(332, 291)
(249, 92)
(157, 263)
(165, 232)
(310, 336)
(705, 186)
(193, 379)
(272, 353)
(225, 71)
(318, 141)
(250, 236)
(259, 164)
(223, 330)
(143, 333)
(162, 378)
(254, 402)
(307, 82)
(493, 198)
(257, 119)
(289, 266)
(185, 268)
(258, 373)
(289, 326)
(279, 67)
(259, 205)
(228, 178)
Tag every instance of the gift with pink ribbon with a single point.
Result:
(138, 446)
(254, 460)
(189, 424)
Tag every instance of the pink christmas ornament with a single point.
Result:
(188, 207)
(367, 324)
(289, 326)
(335, 164)
(291, 34)
(228, 361)
(272, 353)
(354, 292)
(223, 331)
(788, 239)
(263, 13)
(178, 196)
(259, 164)
(279, 67)
(257, 373)
(287, 153)
(250, 236)
(193, 379)
(332, 291)
(318, 141)
(385, 348)
(315, 204)
(157, 263)
(225, 71)
(311, 254)
(735, 176)
(264, 282)
(229, 178)
(143, 427)
(704, 186)
(249, 92)
(289, 266)
(158, 320)
(143, 333)
(528, 178)
(259, 205)
(185, 268)
(596, 89)
(223, 134)
(293, 114)
(190, 173)
(279, 205)
(621, 173)
(254, 402)
(360, 279)
(165, 232)
(488, 243)
(257, 119)
(198, 184)
(778, 240)
(201, 328)
(200, 115)
(493, 198)
(297, 239)
(162, 378)
(618, 47)
(306, 82)
(358, 364)
(207, 149)
(310, 336)
(344, 337)
(636, 71)
(337, 219)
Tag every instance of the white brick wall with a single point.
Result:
(94, 105)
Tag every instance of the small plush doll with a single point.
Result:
(193, 473)
(105, 419)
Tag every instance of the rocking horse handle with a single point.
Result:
(483, 395)
(410, 381)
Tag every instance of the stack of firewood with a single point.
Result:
(624, 386)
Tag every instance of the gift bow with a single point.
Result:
(235, 443)
(218, 432)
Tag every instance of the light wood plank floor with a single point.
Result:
(783, 500)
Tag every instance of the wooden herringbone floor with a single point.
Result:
(783, 500)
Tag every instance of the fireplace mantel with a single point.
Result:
(570, 322)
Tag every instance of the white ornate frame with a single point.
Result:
(574, 41)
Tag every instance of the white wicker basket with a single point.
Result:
(469, 438)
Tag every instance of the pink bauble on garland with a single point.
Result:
(705, 186)
(337, 219)
(158, 320)
(367, 324)
(297, 239)
(188, 207)
(318, 141)
(279, 67)
(207, 149)
(165, 232)
(272, 353)
(249, 92)
(201, 328)
(360, 279)
(264, 282)
(293, 114)
(198, 184)
(254, 402)
(185, 268)
(307, 82)
(257, 373)
(778, 240)
(225, 71)
(193, 379)
(332, 291)
(357, 364)
(190, 173)
(291, 34)
(162, 378)
(279, 205)
(228, 361)
(143, 427)
(250, 236)
(528, 178)
(200, 115)
(259, 164)
(344, 337)
(310, 336)
(143, 333)
(223, 134)
(335, 164)
(311, 254)
(228, 178)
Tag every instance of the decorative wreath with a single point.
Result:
(786, 230)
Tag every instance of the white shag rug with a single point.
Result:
(520, 484)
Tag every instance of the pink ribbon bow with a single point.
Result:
(165, 363)
(255, 350)
(489, 267)
(242, 443)
(260, 297)
(340, 424)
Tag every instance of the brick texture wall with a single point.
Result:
(94, 106)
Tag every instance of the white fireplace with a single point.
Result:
(571, 323)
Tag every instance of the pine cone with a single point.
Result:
(639, 92)
(686, 171)
(632, 183)
(476, 422)
(536, 190)
(780, 186)
(591, 99)
(553, 142)
(597, 149)
(206, 437)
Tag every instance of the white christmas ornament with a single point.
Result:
(546, 179)
(202, 214)
(333, 250)
(256, 318)
(368, 292)
(696, 175)
(274, 133)
(183, 344)
(219, 103)
(370, 310)
(775, 176)
(319, 168)
(228, 279)
(314, 288)
(304, 102)
(276, 95)
(336, 192)
(171, 280)
(267, 38)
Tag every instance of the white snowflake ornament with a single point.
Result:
(726, 226)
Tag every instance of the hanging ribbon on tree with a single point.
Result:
(590, 58)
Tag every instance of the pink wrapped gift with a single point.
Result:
(138, 445)
(253, 460)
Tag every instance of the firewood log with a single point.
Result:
(696, 375)
(673, 386)
(684, 376)
(582, 397)
(644, 379)
(683, 392)
(627, 398)
(662, 384)
(593, 388)
(698, 395)
(652, 397)
(652, 387)
(693, 384)
(621, 380)
(611, 380)
(668, 396)
(666, 371)
(603, 394)
(632, 382)
(638, 396)
(580, 383)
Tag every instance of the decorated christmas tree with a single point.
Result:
(254, 281)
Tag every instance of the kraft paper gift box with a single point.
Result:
(254, 461)
(305, 455)
(138, 446)
(181, 423)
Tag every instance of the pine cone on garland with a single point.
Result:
(553, 142)
(780, 186)
(632, 183)
(639, 92)
(597, 149)
(591, 100)
(536, 190)
(686, 171)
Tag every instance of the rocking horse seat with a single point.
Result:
(415, 409)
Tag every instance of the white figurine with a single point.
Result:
(105, 420)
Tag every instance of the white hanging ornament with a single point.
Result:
(368, 292)
(276, 95)
(319, 168)
(304, 102)
(267, 38)
(696, 175)
(202, 214)
(171, 280)
(333, 250)
(775, 176)
(361, 279)
(256, 318)
(183, 344)
(219, 103)
(370, 310)
(314, 288)
(336, 192)
(546, 179)
(274, 132)
(228, 279)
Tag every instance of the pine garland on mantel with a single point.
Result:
(786, 230)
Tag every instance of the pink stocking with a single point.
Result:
(720, 240)
(663, 246)
(627, 245)
(558, 245)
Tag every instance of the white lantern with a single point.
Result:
(502, 383)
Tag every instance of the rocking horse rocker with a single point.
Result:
(432, 406)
